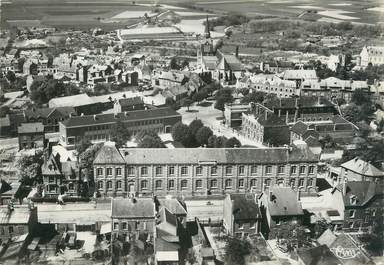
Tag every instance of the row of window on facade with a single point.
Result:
(228, 184)
(199, 170)
(130, 124)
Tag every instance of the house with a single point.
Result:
(359, 170)
(17, 220)
(333, 87)
(128, 104)
(201, 171)
(320, 255)
(98, 127)
(167, 242)
(31, 135)
(301, 131)
(363, 202)
(372, 54)
(299, 76)
(168, 79)
(60, 177)
(241, 216)
(265, 127)
(279, 205)
(49, 117)
(8, 191)
(275, 66)
(133, 220)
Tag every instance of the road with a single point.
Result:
(212, 118)
(200, 209)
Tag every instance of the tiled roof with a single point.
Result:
(108, 154)
(37, 127)
(284, 202)
(302, 102)
(362, 167)
(244, 206)
(46, 112)
(110, 118)
(218, 155)
(50, 167)
(133, 208)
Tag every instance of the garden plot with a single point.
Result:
(337, 14)
(132, 14)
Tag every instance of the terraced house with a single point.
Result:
(201, 171)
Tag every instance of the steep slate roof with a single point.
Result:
(244, 207)
(218, 155)
(362, 167)
(320, 255)
(285, 202)
(50, 167)
(110, 118)
(363, 190)
(173, 205)
(127, 208)
(108, 154)
(31, 127)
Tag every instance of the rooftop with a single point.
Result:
(283, 201)
(362, 167)
(320, 255)
(133, 208)
(245, 206)
(36, 127)
(20, 215)
(109, 154)
(362, 191)
(87, 120)
(216, 155)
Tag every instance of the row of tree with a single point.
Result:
(196, 134)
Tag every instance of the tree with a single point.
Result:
(195, 125)
(120, 134)
(82, 146)
(180, 132)
(101, 89)
(151, 142)
(186, 102)
(320, 226)
(4, 110)
(257, 97)
(173, 64)
(380, 125)
(360, 97)
(221, 141)
(200, 95)
(327, 142)
(11, 76)
(223, 96)
(202, 135)
(212, 141)
(86, 159)
(29, 168)
(351, 112)
(236, 250)
(232, 142)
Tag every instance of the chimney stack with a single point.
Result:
(298, 194)
(266, 114)
(94, 117)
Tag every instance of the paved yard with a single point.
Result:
(212, 118)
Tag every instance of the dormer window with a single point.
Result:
(353, 199)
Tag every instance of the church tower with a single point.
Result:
(206, 44)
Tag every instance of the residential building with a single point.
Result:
(359, 170)
(333, 87)
(31, 135)
(264, 126)
(60, 177)
(170, 79)
(49, 117)
(364, 204)
(270, 84)
(17, 220)
(128, 104)
(301, 131)
(241, 216)
(133, 219)
(98, 127)
(372, 54)
(279, 205)
(299, 76)
(275, 66)
(201, 171)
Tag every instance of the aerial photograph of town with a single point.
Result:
(192, 132)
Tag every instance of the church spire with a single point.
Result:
(207, 32)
